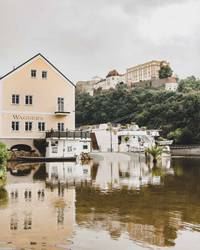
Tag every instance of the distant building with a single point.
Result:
(87, 86)
(143, 72)
(112, 79)
(171, 84)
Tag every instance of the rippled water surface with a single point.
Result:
(115, 202)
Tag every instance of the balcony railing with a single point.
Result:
(68, 134)
(61, 112)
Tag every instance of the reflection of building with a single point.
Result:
(35, 97)
(67, 172)
(148, 234)
(133, 173)
(36, 214)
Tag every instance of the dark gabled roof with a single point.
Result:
(39, 54)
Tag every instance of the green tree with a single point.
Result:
(165, 71)
(189, 84)
(155, 152)
(4, 154)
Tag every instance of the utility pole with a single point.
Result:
(110, 129)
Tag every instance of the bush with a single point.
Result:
(4, 154)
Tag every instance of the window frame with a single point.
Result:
(14, 125)
(44, 74)
(28, 126)
(61, 126)
(30, 97)
(14, 98)
(41, 126)
(85, 146)
(60, 104)
(33, 73)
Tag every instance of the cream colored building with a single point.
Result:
(143, 72)
(35, 97)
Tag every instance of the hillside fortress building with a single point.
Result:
(144, 72)
(35, 97)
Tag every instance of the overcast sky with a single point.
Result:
(85, 38)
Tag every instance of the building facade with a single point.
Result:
(35, 97)
(112, 79)
(144, 72)
(67, 144)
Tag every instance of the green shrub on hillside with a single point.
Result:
(177, 114)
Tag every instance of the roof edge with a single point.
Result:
(39, 54)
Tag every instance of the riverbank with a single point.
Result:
(185, 150)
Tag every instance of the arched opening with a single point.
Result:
(21, 147)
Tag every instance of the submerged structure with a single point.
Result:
(117, 138)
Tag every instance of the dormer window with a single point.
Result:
(33, 73)
(44, 74)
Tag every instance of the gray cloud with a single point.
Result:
(90, 37)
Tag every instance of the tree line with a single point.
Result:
(177, 114)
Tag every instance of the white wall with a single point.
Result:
(67, 148)
(104, 140)
(171, 86)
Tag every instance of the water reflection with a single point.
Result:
(132, 173)
(134, 202)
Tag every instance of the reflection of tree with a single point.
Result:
(40, 173)
(3, 196)
(2, 175)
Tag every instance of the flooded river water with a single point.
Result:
(116, 202)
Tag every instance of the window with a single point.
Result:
(15, 126)
(61, 126)
(85, 146)
(60, 104)
(33, 73)
(15, 99)
(28, 99)
(28, 126)
(69, 148)
(44, 74)
(41, 126)
(54, 143)
(54, 150)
